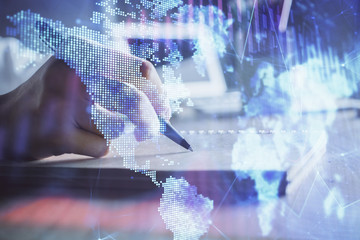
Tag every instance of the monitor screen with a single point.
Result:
(189, 70)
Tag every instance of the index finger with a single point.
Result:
(143, 75)
(119, 66)
(126, 99)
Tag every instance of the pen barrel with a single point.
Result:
(170, 132)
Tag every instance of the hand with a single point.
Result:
(50, 114)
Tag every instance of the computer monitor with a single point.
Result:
(210, 82)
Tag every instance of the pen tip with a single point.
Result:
(190, 149)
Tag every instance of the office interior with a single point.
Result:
(266, 92)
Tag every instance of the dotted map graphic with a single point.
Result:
(113, 78)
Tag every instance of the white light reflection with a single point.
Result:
(311, 87)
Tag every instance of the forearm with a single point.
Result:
(5, 100)
(16, 110)
(5, 106)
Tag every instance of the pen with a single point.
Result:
(169, 131)
(48, 35)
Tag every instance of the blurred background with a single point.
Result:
(265, 90)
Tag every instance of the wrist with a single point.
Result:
(5, 104)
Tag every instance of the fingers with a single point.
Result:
(140, 73)
(145, 118)
(154, 90)
(82, 117)
(142, 100)
(121, 98)
(86, 143)
(117, 65)
(106, 124)
(130, 101)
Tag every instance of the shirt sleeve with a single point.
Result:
(17, 64)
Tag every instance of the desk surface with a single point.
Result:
(322, 199)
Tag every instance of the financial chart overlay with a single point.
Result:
(296, 67)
